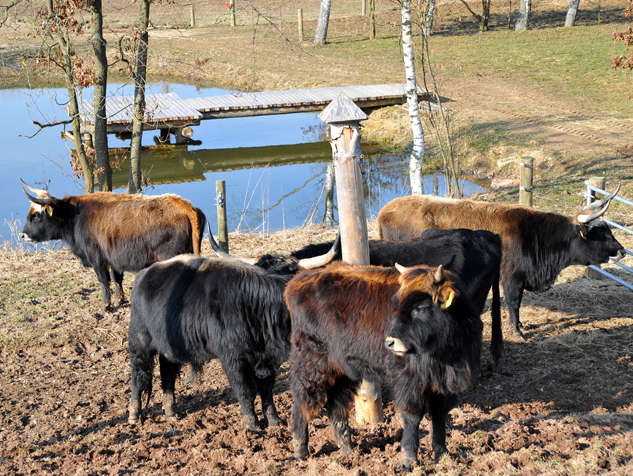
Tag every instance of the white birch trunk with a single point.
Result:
(320, 36)
(415, 163)
(525, 8)
(430, 15)
(571, 13)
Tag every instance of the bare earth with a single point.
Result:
(561, 403)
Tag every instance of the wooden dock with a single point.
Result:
(170, 113)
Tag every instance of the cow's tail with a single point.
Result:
(198, 220)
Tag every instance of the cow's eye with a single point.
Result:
(421, 310)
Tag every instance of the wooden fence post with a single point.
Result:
(232, 11)
(526, 168)
(223, 235)
(300, 21)
(601, 183)
(344, 116)
(192, 14)
(363, 7)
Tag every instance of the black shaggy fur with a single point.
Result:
(474, 256)
(189, 310)
(341, 319)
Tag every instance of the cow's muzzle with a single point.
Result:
(614, 259)
(26, 238)
(396, 346)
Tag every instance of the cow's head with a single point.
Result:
(421, 323)
(280, 264)
(40, 224)
(594, 243)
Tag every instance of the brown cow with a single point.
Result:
(116, 232)
(536, 245)
(412, 328)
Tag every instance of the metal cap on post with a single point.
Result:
(601, 183)
(343, 116)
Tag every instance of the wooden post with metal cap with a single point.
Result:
(343, 117)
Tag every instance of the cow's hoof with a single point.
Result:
(272, 421)
(407, 463)
(105, 306)
(439, 452)
(347, 450)
(250, 422)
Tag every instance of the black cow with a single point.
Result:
(114, 233)
(189, 310)
(474, 256)
(536, 245)
(414, 329)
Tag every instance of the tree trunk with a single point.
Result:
(417, 154)
(320, 37)
(73, 104)
(372, 19)
(571, 13)
(485, 17)
(140, 74)
(430, 15)
(523, 22)
(100, 136)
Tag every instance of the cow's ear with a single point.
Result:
(49, 210)
(583, 230)
(446, 296)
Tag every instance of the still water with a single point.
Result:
(275, 167)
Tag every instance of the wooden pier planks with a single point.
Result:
(169, 110)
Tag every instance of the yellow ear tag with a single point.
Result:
(49, 211)
(583, 235)
(449, 300)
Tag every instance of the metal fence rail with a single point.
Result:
(589, 195)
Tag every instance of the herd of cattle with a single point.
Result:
(411, 320)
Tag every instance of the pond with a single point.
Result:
(275, 167)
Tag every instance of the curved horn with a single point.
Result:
(584, 219)
(36, 191)
(438, 277)
(598, 204)
(318, 261)
(39, 201)
(223, 254)
(400, 268)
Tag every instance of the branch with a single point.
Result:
(44, 126)
(4, 11)
(476, 15)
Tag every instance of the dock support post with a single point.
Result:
(88, 140)
(223, 234)
(232, 10)
(192, 14)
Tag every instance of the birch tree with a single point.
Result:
(417, 154)
(523, 22)
(320, 36)
(571, 13)
(430, 15)
(140, 77)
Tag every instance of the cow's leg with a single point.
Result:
(410, 439)
(117, 277)
(496, 340)
(169, 371)
(142, 363)
(513, 290)
(339, 400)
(265, 387)
(242, 381)
(439, 406)
(103, 275)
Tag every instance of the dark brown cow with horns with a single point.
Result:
(113, 232)
(412, 328)
(536, 245)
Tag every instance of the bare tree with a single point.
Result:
(140, 77)
(430, 15)
(417, 154)
(571, 13)
(372, 19)
(523, 22)
(59, 24)
(100, 136)
(482, 19)
(320, 36)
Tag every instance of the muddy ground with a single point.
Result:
(561, 403)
